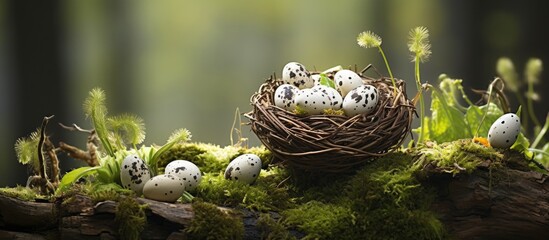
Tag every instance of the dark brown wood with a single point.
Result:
(498, 204)
(29, 215)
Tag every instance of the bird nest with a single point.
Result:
(332, 143)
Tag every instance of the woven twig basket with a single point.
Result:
(331, 143)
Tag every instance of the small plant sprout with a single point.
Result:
(95, 108)
(371, 40)
(420, 47)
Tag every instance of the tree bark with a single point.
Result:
(503, 203)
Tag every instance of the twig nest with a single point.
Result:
(329, 141)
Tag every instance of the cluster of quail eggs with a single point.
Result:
(180, 176)
(302, 90)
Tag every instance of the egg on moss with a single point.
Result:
(504, 131)
(187, 171)
(164, 188)
(244, 168)
(134, 173)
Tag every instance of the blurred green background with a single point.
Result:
(192, 63)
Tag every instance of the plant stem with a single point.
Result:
(389, 70)
(541, 133)
(531, 105)
(421, 101)
(525, 116)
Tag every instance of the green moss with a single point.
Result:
(383, 200)
(210, 222)
(105, 192)
(20, 192)
(272, 229)
(320, 220)
(265, 194)
(209, 157)
(130, 217)
(457, 156)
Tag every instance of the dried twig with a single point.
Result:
(79, 154)
(89, 156)
(54, 161)
(44, 184)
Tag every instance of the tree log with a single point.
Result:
(504, 203)
(501, 204)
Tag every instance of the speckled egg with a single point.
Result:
(335, 98)
(294, 73)
(244, 168)
(361, 100)
(504, 131)
(188, 172)
(312, 101)
(347, 80)
(165, 188)
(134, 173)
(284, 96)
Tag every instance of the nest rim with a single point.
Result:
(332, 143)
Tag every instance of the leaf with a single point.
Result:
(76, 174)
(105, 175)
(543, 157)
(26, 149)
(474, 115)
(178, 136)
(326, 81)
(447, 122)
(130, 128)
(522, 145)
(95, 107)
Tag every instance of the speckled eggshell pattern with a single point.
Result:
(134, 173)
(164, 188)
(187, 171)
(312, 101)
(284, 96)
(504, 131)
(294, 73)
(244, 168)
(361, 100)
(335, 98)
(347, 80)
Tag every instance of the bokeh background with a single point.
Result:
(193, 63)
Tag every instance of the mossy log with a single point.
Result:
(79, 218)
(501, 203)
